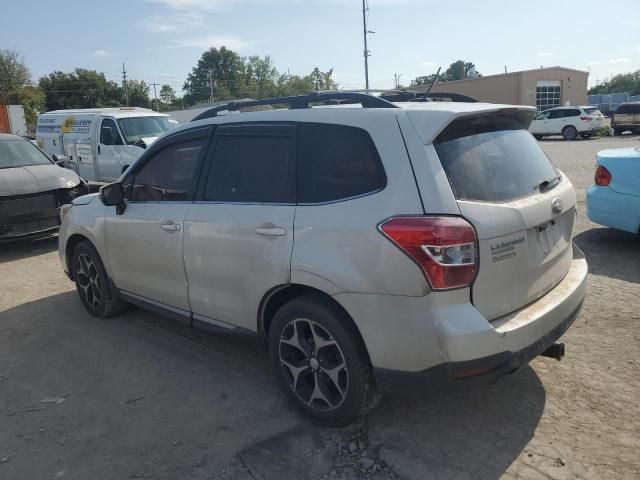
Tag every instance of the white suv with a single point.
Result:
(570, 122)
(378, 247)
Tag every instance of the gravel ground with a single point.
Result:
(140, 396)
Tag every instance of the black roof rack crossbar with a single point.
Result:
(302, 101)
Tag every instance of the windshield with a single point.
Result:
(493, 159)
(136, 128)
(20, 153)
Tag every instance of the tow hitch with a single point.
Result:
(554, 351)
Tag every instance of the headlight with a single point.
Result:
(64, 209)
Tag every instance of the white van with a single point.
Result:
(100, 143)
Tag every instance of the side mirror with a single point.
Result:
(59, 160)
(106, 136)
(112, 194)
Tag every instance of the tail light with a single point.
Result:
(586, 118)
(443, 247)
(603, 176)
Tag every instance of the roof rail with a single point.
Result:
(303, 101)
(411, 96)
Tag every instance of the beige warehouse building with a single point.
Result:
(542, 88)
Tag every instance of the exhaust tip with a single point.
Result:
(554, 351)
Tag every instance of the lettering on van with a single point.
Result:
(47, 125)
(505, 249)
(71, 125)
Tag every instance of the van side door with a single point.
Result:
(109, 155)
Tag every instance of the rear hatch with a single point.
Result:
(624, 166)
(520, 204)
(594, 117)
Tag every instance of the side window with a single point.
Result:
(337, 162)
(252, 168)
(542, 116)
(556, 114)
(109, 134)
(170, 174)
(572, 112)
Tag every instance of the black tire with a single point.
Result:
(538, 137)
(93, 285)
(352, 393)
(586, 136)
(570, 132)
(617, 131)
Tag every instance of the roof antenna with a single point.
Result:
(435, 77)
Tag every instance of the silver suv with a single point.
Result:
(373, 246)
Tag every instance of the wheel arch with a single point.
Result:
(70, 246)
(278, 296)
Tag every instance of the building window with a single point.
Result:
(547, 94)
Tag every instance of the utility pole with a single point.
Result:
(366, 52)
(505, 69)
(396, 79)
(210, 86)
(155, 95)
(124, 85)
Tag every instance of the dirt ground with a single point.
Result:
(140, 396)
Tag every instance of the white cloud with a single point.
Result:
(102, 53)
(545, 54)
(229, 41)
(158, 27)
(619, 60)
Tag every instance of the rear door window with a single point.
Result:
(492, 158)
(592, 111)
(556, 114)
(337, 162)
(253, 164)
(572, 112)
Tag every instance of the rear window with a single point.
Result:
(592, 111)
(492, 158)
(628, 108)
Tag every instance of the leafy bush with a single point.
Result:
(604, 131)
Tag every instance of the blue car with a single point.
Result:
(614, 200)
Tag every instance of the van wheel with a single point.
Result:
(320, 362)
(617, 131)
(93, 284)
(569, 132)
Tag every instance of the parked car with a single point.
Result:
(614, 199)
(100, 143)
(570, 122)
(626, 117)
(32, 189)
(390, 248)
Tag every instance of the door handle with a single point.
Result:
(98, 149)
(170, 227)
(271, 231)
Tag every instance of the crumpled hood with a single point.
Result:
(35, 178)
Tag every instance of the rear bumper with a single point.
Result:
(478, 352)
(612, 209)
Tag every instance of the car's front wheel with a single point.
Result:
(569, 132)
(320, 362)
(92, 283)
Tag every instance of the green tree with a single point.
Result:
(427, 79)
(16, 86)
(138, 92)
(323, 80)
(80, 89)
(167, 94)
(459, 70)
(621, 83)
(224, 67)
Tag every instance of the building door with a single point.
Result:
(548, 94)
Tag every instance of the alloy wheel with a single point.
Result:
(89, 281)
(314, 364)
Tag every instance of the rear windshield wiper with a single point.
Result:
(547, 185)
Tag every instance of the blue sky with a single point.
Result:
(161, 40)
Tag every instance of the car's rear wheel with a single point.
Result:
(320, 362)
(93, 285)
(617, 131)
(569, 132)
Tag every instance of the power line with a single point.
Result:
(124, 85)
